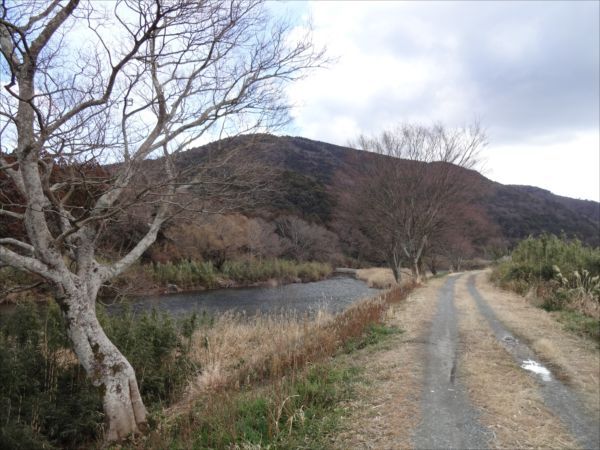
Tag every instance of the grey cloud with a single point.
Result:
(552, 88)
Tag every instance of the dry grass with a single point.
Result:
(381, 277)
(387, 404)
(575, 359)
(237, 350)
(508, 398)
(587, 304)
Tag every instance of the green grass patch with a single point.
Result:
(301, 410)
(295, 413)
(580, 324)
(375, 334)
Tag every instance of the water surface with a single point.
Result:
(334, 295)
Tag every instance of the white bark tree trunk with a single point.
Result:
(51, 121)
(106, 367)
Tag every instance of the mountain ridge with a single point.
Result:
(518, 210)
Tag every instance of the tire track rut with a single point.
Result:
(449, 419)
(558, 397)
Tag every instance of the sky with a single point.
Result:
(527, 71)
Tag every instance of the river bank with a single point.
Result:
(193, 276)
(181, 276)
(190, 369)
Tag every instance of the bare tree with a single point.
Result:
(404, 196)
(122, 83)
(304, 241)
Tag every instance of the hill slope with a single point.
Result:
(308, 170)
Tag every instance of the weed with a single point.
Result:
(46, 400)
(296, 412)
(374, 334)
(580, 324)
(187, 274)
(564, 275)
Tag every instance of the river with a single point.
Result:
(333, 294)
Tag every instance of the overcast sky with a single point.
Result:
(529, 72)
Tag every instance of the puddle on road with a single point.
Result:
(537, 368)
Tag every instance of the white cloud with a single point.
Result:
(529, 71)
(570, 168)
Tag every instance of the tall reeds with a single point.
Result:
(237, 351)
(244, 271)
(561, 275)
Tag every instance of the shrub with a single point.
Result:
(563, 273)
(46, 400)
(157, 347)
(555, 301)
(539, 255)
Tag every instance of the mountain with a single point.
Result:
(521, 211)
(307, 171)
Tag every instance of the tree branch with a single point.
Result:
(27, 263)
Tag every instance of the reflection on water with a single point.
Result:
(333, 295)
(537, 368)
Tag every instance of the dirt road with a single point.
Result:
(476, 367)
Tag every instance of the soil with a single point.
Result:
(452, 379)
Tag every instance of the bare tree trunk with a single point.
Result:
(396, 272)
(395, 264)
(416, 271)
(417, 261)
(105, 365)
(432, 264)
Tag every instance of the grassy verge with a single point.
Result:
(296, 412)
(206, 381)
(580, 324)
(375, 334)
(558, 275)
(234, 351)
(300, 410)
(268, 383)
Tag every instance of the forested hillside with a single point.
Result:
(299, 212)
(309, 174)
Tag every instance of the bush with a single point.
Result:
(157, 348)
(539, 255)
(46, 400)
(564, 274)
(555, 301)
